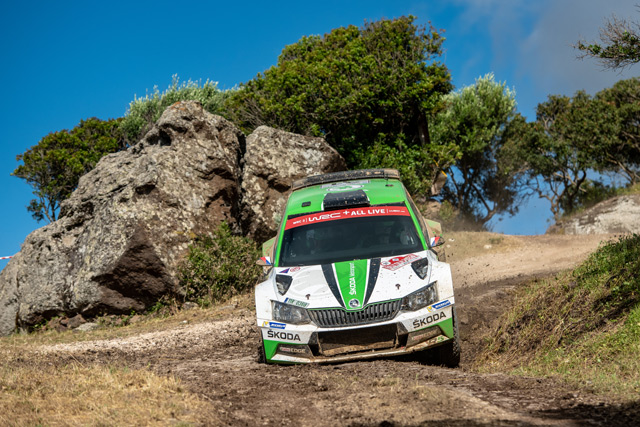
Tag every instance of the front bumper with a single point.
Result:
(407, 332)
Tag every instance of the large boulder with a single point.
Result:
(121, 234)
(273, 160)
(619, 214)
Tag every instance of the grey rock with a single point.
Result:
(86, 327)
(619, 214)
(273, 160)
(120, 237)
(121, 234)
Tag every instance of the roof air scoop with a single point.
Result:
(346, 199)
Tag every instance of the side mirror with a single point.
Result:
(436, 241)
(264, 261)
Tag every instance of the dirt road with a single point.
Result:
(217, 360)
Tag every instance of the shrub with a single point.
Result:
(219, 266)
(144, 112)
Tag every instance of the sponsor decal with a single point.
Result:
(434, 241)
(293, 349)
(266, 260)
(343, 186)
(441, 304)
(347, 213)
(290, 270)
(283, 335)
(398, 262)
(436, 317)
(275, 325)
(296, 302)
(352, 280)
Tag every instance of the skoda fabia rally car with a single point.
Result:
(353, 273)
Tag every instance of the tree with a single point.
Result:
(368, 91)
(483, 182)
(54, 166)
(622, 154)
(562, 146)
(619, 45)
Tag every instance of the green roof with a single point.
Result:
(379, 191)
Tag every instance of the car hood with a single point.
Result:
(352, 284)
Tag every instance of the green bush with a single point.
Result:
(144, 112)
(219, 266)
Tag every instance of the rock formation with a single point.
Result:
(121, 234)
(619, 214)
(274, 159)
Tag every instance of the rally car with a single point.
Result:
(353, 273)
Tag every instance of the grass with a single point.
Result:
(583, 326)
(37, 389)
(37, 393)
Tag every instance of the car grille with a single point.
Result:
(335, 317)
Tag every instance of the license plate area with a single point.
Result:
(332, 343)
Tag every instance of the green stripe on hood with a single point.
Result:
(352, 281)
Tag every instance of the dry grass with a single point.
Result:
(33, 392)
(52, 391)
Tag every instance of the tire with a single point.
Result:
(262, 357)
(448, 354)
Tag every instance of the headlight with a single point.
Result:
(283, 283)
(421, 267)
(420, 298)
(289, 313)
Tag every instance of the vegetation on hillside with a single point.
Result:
(144, 112)
(219, 266)
(583, 325)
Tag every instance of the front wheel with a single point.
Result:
(448, 354)
(262, 357)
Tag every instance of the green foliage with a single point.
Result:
(54, 166)
(368, 91)
(622, 154)
(219, 266)
(583, 323)
(483, 181)
(144, 112)
(410, 160)
(567, 140)
(619, 45)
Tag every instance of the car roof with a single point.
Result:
(385, 189)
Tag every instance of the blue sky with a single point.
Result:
(67, 61)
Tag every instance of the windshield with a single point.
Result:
(336, 236)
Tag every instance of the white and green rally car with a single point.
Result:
(353, 274)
